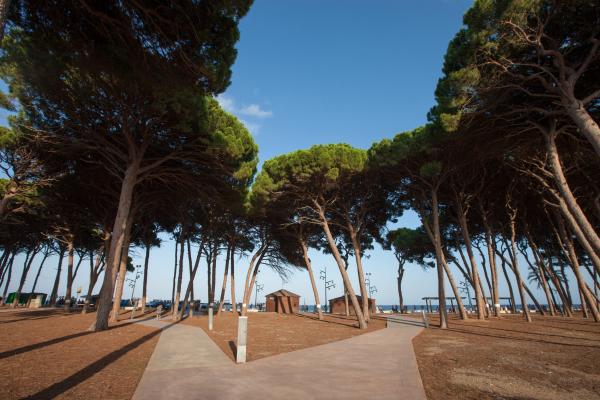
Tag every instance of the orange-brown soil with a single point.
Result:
(272, 333)
(51, 354)
(508, 358)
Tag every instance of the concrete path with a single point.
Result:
(186, 364)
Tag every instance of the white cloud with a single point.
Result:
(226, 103)
(254, 110)
(252, 127)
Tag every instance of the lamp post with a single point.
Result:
(132, 283)
(328, 284)
(259, 288)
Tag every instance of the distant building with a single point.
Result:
(337, 305)
(282, 302)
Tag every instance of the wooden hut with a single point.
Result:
(337, 305)
(282, 302)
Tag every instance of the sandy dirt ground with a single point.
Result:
(549, 359)
(50, 354)
(272, 333)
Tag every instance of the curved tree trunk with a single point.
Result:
(188, 291)
(26, 268)
(542, 271)
(122, 220)
(583, 289)
(120, 278)
(37, 275)
(94, 274)
(362, 323)
(399, 278)
(311, 276)
(586, 124)
(567, 195)
(251, 276)
(464, 228)
(361, 274)
(435, 237)
(9, 269)
(224, 285)
(461, 307)
(515, 268)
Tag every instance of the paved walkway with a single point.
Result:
(187, 364)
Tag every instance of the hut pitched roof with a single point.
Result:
(282, 293)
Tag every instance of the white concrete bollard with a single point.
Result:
(210, 317)
(240, 356)
(425, 321)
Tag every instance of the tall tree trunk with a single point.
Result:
(362, 323)
(209, 272)
(435, 237)
(361, 274)
(54, 293)
(566, 307)
(26, 268)
(464, 228)
(439, 258)
(224, 285)
(190, 285)
(515, 267)
(116, 246)
(174, 273)
(490, 243)
(233, 301)
(461, 307)
(179, 279)
(37, 275)
(311, 276)
(94, 274)
(9, 269)
(583, 289)
(3, 263)
(122, 272)
(567, 195)
(399, 278)
(586, 124)
(513, 308)
(191, 300)
(542, 269)
(145, 284)
(70, 259)
(213, 282)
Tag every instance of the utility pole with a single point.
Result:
(259, 288)
(327, 284)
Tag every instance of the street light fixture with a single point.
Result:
(328, 284)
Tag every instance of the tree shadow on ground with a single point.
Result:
(34, 346)
(523, 339)
(95, 367)
(329, 319)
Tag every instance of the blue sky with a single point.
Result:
(312, 72)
